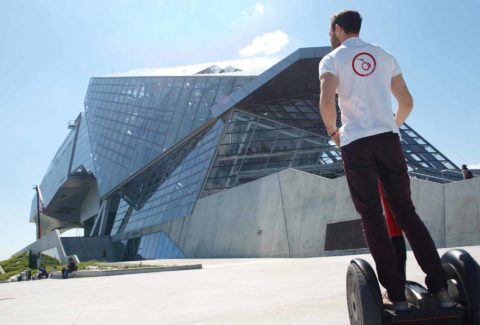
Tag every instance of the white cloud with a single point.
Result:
(267, 44)
(249, 67)
(259, 8)
(474, 166)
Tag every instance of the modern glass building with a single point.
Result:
(146, 149)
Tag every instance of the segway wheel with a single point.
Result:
(363, 294)
(463, 280)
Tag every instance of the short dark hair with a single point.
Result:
(349, 20)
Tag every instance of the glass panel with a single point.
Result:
(150, 247)
(83, 157)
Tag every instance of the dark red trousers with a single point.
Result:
(381, 156)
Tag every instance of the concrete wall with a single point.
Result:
(90, 248)
(86, 248)
(51, 240)
(242, 222)
(90, 205)
(307, 218)
(280, 215)
(429, 203)
(286, 214)
(462, 212)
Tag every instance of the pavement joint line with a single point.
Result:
(86, 305)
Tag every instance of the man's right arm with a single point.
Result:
(403, 97)
(328, 110)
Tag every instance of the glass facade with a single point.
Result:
(59, 169)
(301, 112)
(169, 188)
(252, 147)
(134, 120)
(421, 155)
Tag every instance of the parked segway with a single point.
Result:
(365, 306)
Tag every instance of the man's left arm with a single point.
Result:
(328, 110)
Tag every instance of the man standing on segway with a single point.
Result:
(364, 76)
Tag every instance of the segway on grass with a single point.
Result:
(365, 306)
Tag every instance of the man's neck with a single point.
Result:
(348, 36)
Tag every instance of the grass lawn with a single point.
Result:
(17, 264)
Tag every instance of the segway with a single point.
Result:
(365, 306)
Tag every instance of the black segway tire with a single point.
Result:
(363, 294)
(463, 279)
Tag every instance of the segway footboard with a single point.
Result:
(415, 316)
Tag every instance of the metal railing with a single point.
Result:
(450, 170)
(429, 177)
(440, 178)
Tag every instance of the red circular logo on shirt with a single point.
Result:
(364, 64)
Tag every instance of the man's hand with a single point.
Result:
(328, 110)
(336, 138)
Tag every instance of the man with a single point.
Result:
(365, 76)
(467, 174)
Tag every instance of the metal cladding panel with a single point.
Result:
(288, 79)
(133, 120)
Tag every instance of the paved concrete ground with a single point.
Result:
(226, 291)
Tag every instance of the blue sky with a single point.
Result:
(50, 49)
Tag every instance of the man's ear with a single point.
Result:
(337, 30)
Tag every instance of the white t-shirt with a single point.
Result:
(364, 72)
